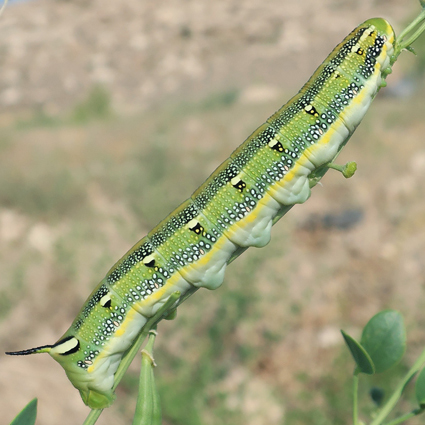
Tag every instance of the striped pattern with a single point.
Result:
(235, 208)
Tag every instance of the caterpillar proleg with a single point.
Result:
(273, 169)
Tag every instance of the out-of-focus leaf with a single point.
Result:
(384, 339)
(27, 415)
(360, 355)
(420, 388)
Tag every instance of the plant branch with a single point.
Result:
(389, 405)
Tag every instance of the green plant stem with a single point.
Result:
(412, 25)
(355, 396)
(148, 410)
(3, 7)
(92, 417)
(402, 44)
(389, 405)
(405, 417)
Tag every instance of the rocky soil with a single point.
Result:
(52, 52)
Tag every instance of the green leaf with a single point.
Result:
(384, 338)
(420, 388)
(27, 415)
(361, 357)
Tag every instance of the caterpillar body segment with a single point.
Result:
(235, 208)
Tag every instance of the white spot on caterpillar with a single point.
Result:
(273, 142)
(65, 347)
(355, 48)
(367, 33)
(192, 223)
(235, 180)
(105, 299)
(148, 260)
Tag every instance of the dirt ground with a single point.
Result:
(186, 82)
(145, 52)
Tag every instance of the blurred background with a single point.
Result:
(112, 113)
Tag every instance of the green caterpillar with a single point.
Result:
(235, 208)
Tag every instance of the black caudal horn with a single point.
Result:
(36, 350)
